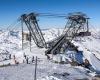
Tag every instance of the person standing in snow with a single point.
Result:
(24, 56)
(14, 57)
(9, 56)
(86, 63)
(27, 60)
(32, 59)
(15, 61)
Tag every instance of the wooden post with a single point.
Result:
(22, 34)
(30, 40)
(35, 69)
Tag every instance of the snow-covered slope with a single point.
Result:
(11, 44)
(90, 45)
(91, 48)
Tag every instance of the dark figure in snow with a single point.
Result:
(24, 56)
(32, 59)
(48, 57)
(9, 56)
(27, 60)
(14, 57)
(15, 61)
(86, 63)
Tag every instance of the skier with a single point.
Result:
(32, 59)
(27, 60)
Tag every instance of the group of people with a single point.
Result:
(25, 59)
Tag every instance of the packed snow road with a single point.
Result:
(46, 70)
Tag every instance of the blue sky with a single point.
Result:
(10, 10)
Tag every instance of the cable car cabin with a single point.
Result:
(84, 33)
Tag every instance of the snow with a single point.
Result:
(90, 47)
(9, 42)
(47, 70)
(95, 62)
